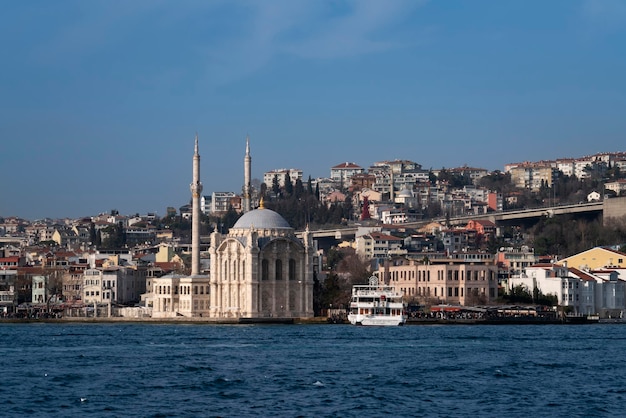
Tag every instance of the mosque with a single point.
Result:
(259, 269)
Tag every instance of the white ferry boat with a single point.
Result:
(376, 304)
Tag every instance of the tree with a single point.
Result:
(332, 291)
(354, 267)
(54, 287)
(333, 257)
(93, 236)
(298, 189)
(497, 181)
(288, 186)
(519, 294)
(116, 237)
(309, 186)
(230, 218)
(275, 185)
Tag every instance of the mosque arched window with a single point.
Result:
(292, 269)
(265, 270)
(279, 270)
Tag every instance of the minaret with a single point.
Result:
(247, 185)
(196, 190)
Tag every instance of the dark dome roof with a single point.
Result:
(261, 219)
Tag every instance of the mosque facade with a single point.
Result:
(259, 269)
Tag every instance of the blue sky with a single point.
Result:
(100, 100)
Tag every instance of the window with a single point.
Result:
(292, 269)
(279, 270)
(264, 270)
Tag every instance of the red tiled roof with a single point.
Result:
(582, 275)
(9, 259)
(347, 165)
(167, 266)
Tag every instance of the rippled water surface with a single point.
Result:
(312, 370)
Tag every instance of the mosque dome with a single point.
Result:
(405, 193)
(262, 219)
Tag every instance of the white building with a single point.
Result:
(378, 245)
(342, 173)
(217, 203)
(113, 284)
(585, 292)
(618, 186)
(282, 176)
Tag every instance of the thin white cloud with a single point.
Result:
(605, 14)
(241, 38)
(308, 30)
(367, 27)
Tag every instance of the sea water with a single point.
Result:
(149, 370)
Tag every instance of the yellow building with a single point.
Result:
(595, 258)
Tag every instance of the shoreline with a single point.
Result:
(290, 321)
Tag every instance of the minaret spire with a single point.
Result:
(196, 190)
(247, 182)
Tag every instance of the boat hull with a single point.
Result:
(377, 320)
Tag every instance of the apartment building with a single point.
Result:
(532, 176)
(617, 186)
(378, 245)
(341, 174)
(219, 203)
(459, 279)
(282, 175)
